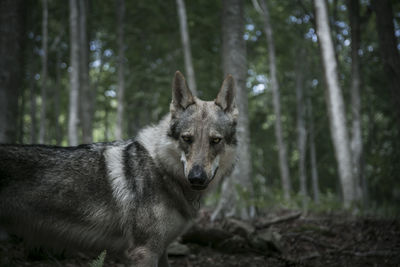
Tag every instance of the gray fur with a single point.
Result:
(131, 197)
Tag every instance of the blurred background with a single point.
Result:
(317, 132)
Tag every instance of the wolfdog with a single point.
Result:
(133, 197)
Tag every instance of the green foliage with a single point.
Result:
(99, 262)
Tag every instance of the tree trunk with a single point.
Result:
(32, 111)
(356, 136)
(389, 53)
(74, 74)
(11, 57)
(43, 119)
(86, 96)
(232, 202)
(186, 46)
(283, 162)
(57, 100)
(121, 69)
(313, 153)
(21, 115)
(335, 104)
(301, 128)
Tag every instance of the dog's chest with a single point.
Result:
(171, 222)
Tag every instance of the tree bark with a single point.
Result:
(32, 111)
(57, 100)
(232, 202)
(335, 105)
(313, 153)
(11, 66)
(389, 53)
(186, 46)
(121, 69)
(86, 95)
(301, 128)
(43, 119)
(283, 162)
(74, 74)
(356, 136)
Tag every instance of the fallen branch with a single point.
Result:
(286, 218)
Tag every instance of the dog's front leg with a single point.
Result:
(163, 261)
(142, 257)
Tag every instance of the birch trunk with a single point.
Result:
(313, 153)
(283, 162)
(186, 46)
(301, 129)
(335, 105)
(74, 74)
(356, 137)
(43, 107)
(232, 202)
(121, 69)
(86, 96)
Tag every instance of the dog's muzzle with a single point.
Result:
(197, 178)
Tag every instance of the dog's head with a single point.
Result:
(205, 131)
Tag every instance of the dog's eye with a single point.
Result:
(187, 139)
(216, 140)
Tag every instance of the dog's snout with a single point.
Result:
(197, 175)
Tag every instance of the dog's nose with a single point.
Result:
(197, 175)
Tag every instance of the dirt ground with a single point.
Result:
(318, 240)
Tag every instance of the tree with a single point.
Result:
(283, 162)
(389, 52)
(74, 74)
(186, 46)
(234, 62)
(11, 66)
(86, 96)
(301, 128)
(356, 135)
(313, 153)
(43, 119)
(121, 68)
(335, 103)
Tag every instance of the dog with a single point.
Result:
(131, 197)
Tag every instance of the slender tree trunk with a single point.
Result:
(356, 137)
(186, 46)
(74, 74)
(32, 96)
(43, 119)
(86, 99)
(283, 162)
(301, 128)
(121, 69)
(389, 52)
(21, 114)
(11, 62)
(232, 202)
(106, 124)
(335, 105)
(313, 153)
(57, 101)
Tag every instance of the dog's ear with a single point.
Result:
(226, 96)
(181, 95)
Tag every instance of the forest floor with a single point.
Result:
(291, 240)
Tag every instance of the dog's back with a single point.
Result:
(61, 192)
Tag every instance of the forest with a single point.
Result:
(318, 93)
